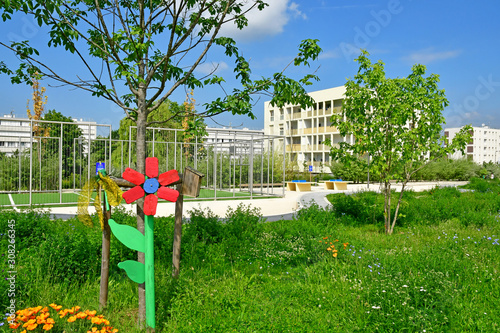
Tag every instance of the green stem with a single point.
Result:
(150, 271)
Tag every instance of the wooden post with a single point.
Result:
(106, 238)
(176, 256)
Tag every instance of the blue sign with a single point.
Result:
(310, 168)
(99, 166)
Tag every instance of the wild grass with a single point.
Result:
(439, 271)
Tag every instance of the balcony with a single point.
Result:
(307, 130)
(293, 147)
(296, 115)
(319, 147)
(320, 112)
(292, 132)
(330, 129)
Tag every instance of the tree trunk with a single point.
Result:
(387, 207)
(106, 238)
(141, 168)
(176, 255)
(397, 207)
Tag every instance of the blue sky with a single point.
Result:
(458, 40)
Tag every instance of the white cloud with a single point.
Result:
(294, 8)
(430, 55)
(268, 22)
(209, 67)
(329, 54)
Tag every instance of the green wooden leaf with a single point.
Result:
(129, 236)
(135, 270)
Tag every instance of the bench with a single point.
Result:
(298, 185)
(336, 184)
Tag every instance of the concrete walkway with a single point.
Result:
(273, 209)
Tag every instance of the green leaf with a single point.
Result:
(129, 236)
(135, 270)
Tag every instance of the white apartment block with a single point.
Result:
(16, 133)
(306, 130)
(484, 146)
(236, 141)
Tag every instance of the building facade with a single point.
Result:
(306, 130)
(484, 146)
(16, 133)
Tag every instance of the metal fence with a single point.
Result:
(48, 163)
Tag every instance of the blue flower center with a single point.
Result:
(151, 185)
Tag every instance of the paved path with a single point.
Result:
(272, 209)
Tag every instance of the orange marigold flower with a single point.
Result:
(71, 319)
(325, 237)
(336, 240)
(50, 321)
(94, 329)
(329, 249)
(335, 255)
(45, 309)
(14, 325)
(345, 245)
(90, 313)
(31, 327)
(48, 327)
(81, 315)
(29, 322)
(55, 306)
(63, 313)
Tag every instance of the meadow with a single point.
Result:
(326, 270)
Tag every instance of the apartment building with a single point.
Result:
(306, 130)
(484, 146)
(15, 133)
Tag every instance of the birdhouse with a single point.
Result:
(191, 182)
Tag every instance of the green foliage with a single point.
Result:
(436, 273)
(397, 122)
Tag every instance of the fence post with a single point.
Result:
(250, 168)
(31, 159)
(215, 166)
(19, 158)
(60, 163)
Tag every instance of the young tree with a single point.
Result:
(398, 122)
(148, 49)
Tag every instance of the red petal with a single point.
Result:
(168, 194)
(133, 176)
(151, 167)
(133, 194)
(168, 177)
(150, 204)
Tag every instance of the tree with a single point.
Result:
(149, 49)
(39, 101)
(69, 133)
(398, 122)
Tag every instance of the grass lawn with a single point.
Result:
(72, 198)
(324, 271)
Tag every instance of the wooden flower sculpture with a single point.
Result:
(150, 186)
(146, 185)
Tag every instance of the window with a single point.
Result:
(272, 115)
(282, 116)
